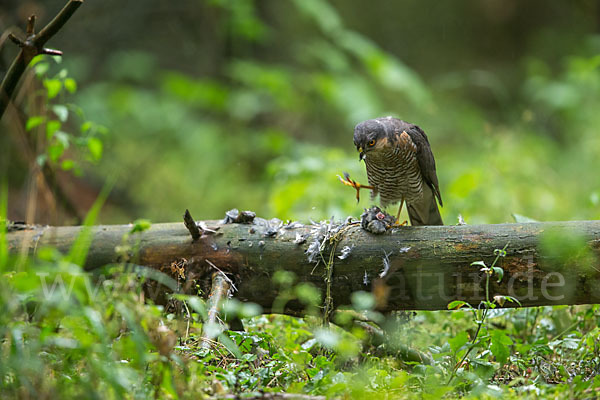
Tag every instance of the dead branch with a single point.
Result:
(32, 46)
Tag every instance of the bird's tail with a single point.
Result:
(425, 211)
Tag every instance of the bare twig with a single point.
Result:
(15, 40)
(32, 46)
(222, 273)
(58, 22)
(219, 291)
(31, 25)
(191, 225)
(189, 317)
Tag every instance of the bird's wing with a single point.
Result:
(425, 159)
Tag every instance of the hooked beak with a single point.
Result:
(361, 154)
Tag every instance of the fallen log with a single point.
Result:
(407, 268)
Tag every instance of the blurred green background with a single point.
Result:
(215, 104)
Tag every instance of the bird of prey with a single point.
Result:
(400, 168)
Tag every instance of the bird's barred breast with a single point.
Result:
(395, 174)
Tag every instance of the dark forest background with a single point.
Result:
(210, 105)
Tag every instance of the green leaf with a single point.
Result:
(61, 111)
(230, 345)
(55, 150)
(67, 165)
(198, 305)
(63, 137)
(500, 252)
(362, 300)
(86, 126)
(284, 278)
(62, 74)
(327, 337)
(95, 147)
(479, 263)
(70, 85)
(140, 225)
(458, 341)
(230, 307)
(513, 300)
(499, 347)
(500, 272)
(53, 86)
(34, 121)
(41, 68)
(35, 60)
(248, 310)
(51, 127)
(456, 304)
(308, 294)
(167, 383)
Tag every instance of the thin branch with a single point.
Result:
(7, 88)
(31, 25)
(32, 46)
(222, 273)
(16, 40)
(57, 23)
(52, 52)
(191, 225)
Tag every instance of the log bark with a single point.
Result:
(427, 267)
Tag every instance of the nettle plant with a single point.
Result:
(494, 341)
(67, 137)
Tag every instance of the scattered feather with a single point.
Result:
(293, 225)
(313, 251)
(206, 229)
(345, 252)
(234, 216)
(300, 238)
(386, 264)
(271, 232)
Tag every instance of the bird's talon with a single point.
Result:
(349, 182)
(352, 183)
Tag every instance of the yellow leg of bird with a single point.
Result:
(349, 182)
(398, 216)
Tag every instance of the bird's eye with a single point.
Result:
(371, 143)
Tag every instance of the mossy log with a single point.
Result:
(426, 267)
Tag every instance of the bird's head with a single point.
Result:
(370, 136)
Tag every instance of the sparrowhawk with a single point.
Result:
(400, 167)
